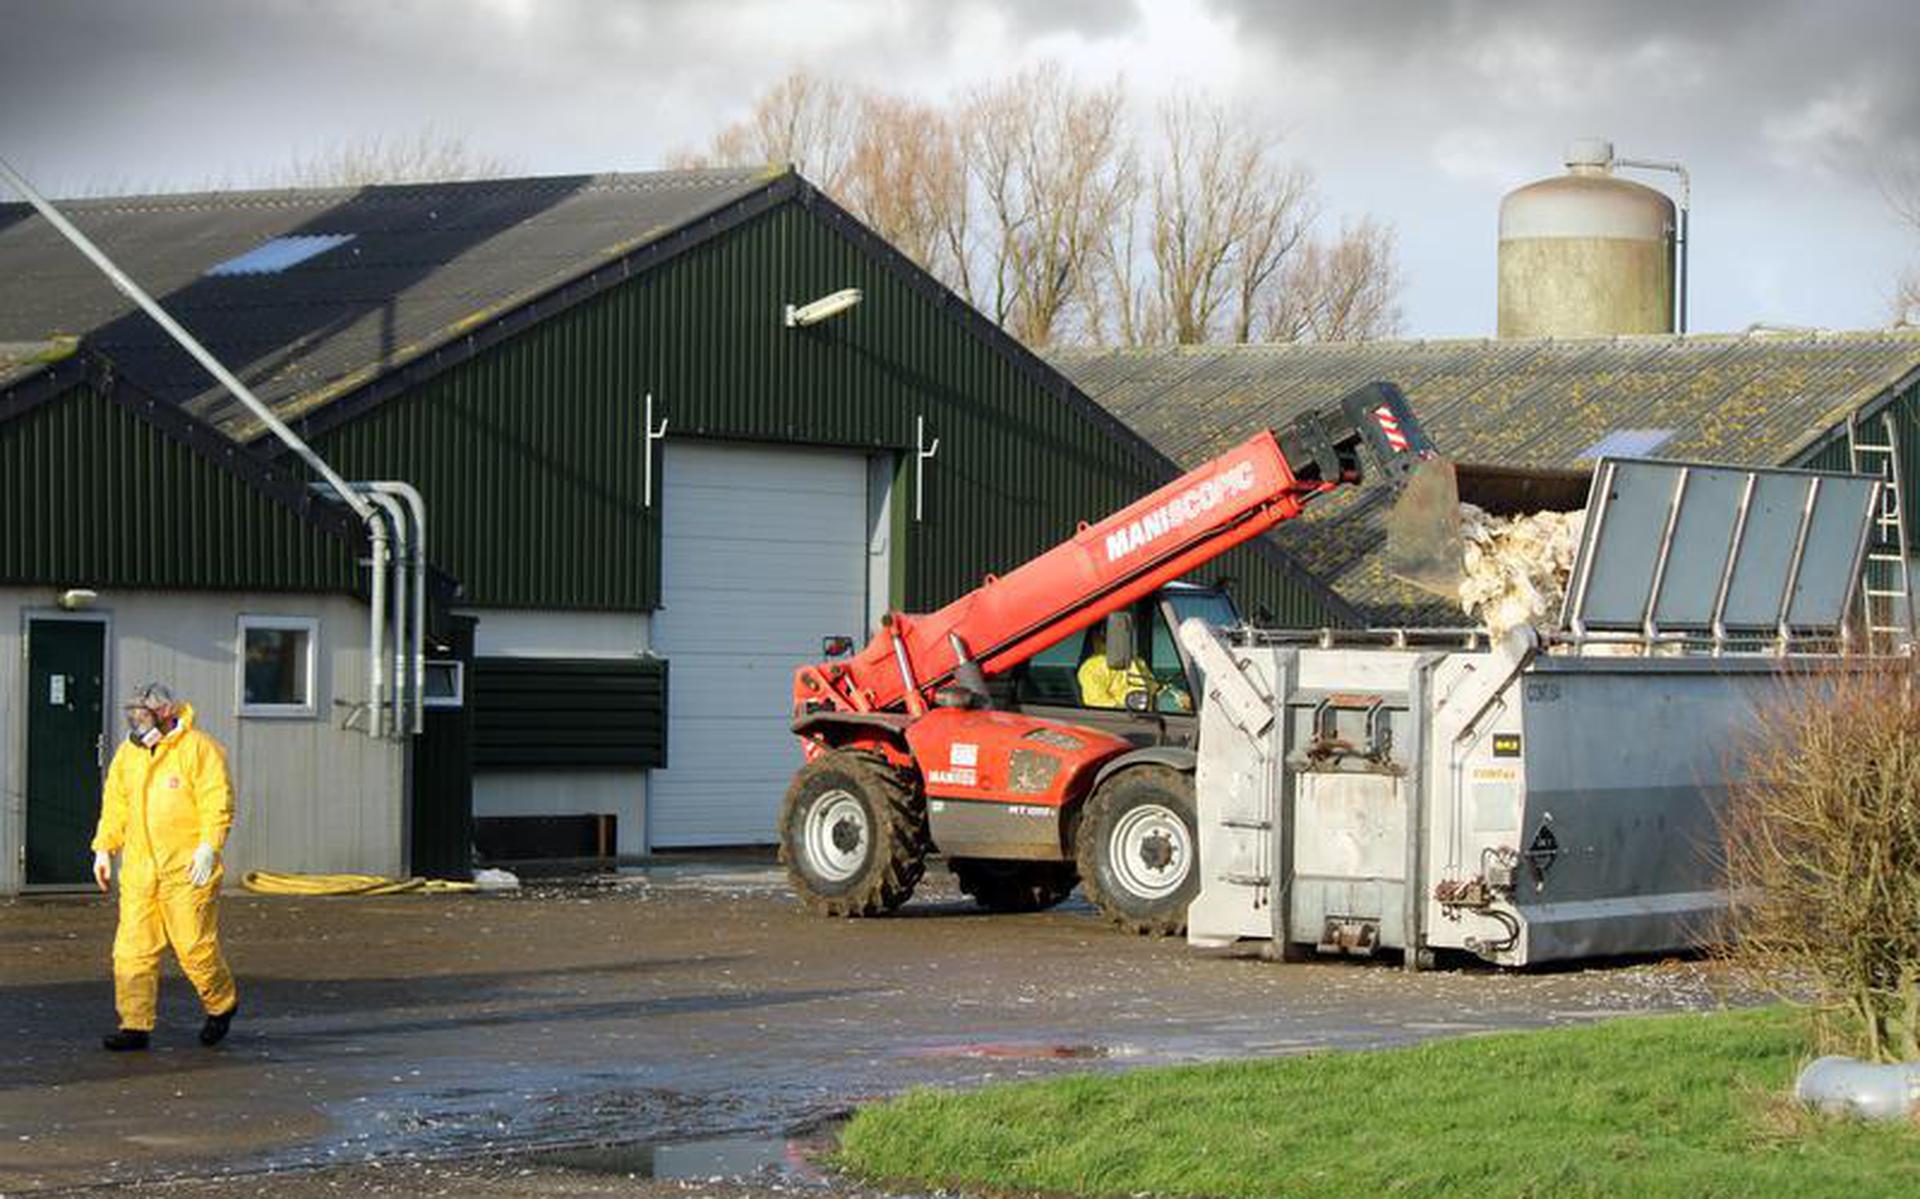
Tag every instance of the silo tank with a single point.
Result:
(1586, 254)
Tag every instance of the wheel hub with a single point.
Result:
(1156, 852)
(846, 835)
(837, 837)
(1151, 851)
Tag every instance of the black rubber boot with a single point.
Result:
(125, 1039)
(215, 1029)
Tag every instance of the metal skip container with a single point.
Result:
(1548, 797)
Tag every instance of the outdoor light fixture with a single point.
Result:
(822, 308)
(78, 599)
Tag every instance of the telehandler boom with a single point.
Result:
(907, 752)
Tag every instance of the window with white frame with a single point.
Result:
(277, 656)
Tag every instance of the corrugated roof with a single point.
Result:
(20, 360)
(426, 264)
(1759, 398)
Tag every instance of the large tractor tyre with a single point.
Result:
(1014, 886)
(1138, 850)
(853, 835)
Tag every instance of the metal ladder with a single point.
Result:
(1886, 593)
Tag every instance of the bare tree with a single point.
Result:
(1028, 197)
(893, 162)
(1898, 178)
(1226, 214)
(803, 120)
(1342, 289)
(1905, 307)
(1120, 300)
(905, 179)
(425, 156)
(1053, 164)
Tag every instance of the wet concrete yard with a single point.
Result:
(689, 1015)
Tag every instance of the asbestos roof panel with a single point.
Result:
(21, 360)
(1543, 404)
(399, 270)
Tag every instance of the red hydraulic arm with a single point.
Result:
(1104, 567)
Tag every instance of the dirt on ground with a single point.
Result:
(648, 1033)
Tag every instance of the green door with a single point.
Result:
(66, 698)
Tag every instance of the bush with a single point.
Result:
(1822, 843)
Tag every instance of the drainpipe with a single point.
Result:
(127, 287)
(403, 552)
(378, 562)
(416, 666)
(1680, 240)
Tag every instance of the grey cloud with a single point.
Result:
(1839, 70)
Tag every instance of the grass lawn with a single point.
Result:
(1670, 1105)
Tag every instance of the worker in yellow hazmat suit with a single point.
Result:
(166, 809)
(1106, 686)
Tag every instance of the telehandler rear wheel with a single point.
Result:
(1138, 850)
(1014, 886)
(853, 835)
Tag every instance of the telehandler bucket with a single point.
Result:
(1423, 530)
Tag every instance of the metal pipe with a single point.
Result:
(1681, 235)
(1733, 559)
(417, 668)
(1649, 616)
(916, 705)
(377, 622)
(1576, 604)
(1793, 564)
(1413, 893)
(398, 563)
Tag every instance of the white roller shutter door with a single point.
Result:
(763, 553)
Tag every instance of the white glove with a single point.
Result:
(102, 868)
(201, 872)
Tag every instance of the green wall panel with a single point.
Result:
(530, 452)
(532, 713)
(91, 495)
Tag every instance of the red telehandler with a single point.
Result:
(965, 731)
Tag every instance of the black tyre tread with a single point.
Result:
(903, 818)
(1014, 886)
(1087, 847)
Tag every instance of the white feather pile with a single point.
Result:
(1516, 567)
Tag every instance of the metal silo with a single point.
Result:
(1586, 254)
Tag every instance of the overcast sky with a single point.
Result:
(1420, 113)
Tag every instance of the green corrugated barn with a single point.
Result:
(501, 345)
(656, 493)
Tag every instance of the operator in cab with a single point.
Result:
(1103, 685)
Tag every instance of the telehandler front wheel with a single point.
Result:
(853, 835)
(1138, 850)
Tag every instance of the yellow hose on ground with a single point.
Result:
(269, 882)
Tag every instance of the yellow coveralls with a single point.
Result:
(158, 805)
(1101, 686)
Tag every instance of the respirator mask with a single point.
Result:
(144, 728)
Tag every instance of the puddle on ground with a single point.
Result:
(1020, 1051)
(719, 1157)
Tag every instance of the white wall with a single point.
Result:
(519, 633)
(309, 795)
